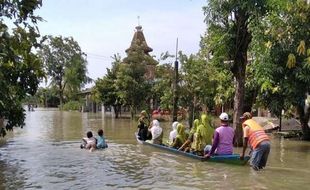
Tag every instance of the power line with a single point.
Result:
(99, 58)
(97, 55)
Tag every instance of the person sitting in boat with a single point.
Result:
(143, 123)
(156, 131)
(180, 138)
(90, 142)
(101, 143)
(173, 133)
(203, 136)
(187, 144)
(223, 138)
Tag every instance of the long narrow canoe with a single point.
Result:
(230, 159)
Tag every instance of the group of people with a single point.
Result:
(204, 140)
(92, 143)
(149, 131)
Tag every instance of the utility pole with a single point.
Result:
(175, 86)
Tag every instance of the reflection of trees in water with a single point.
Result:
(287, 151)
(11, 175)
(282, 150)
(126, 164)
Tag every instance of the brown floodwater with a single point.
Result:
(45, 154)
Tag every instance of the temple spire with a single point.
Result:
(139, 40)
(139, 46)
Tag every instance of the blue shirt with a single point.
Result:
(101, 142)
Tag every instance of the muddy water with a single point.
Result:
(45, 154)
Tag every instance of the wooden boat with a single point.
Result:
(229, 159)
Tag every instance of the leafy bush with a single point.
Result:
(72, 105)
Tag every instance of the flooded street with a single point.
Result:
(45, 154)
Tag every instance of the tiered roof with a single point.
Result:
(139, 40)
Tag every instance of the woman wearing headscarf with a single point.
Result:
(173, 133)
(186, 145)
(156, 131)
(203, 134)
(180, 138)
(143, 123)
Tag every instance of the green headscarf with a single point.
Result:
(204, 132)
(203, 119)
(181, 132)
(194, 128)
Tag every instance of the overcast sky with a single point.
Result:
(106, 27)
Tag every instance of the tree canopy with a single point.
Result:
(282, 66)
(105, 90)
(20, 67)
(132, 86)
(228, 39)
(65, 64)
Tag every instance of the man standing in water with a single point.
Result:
(255, 135)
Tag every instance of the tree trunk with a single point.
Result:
(304, 116)
(116, 111)
(60, 98)
(280, 122)
(132, 112)
(238, 104)
(191, 115)
(2, 127)
(243, 39)
(305, 131)
(60, 94)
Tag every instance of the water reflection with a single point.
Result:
(282, 150)
(46, 155)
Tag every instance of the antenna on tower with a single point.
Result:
(176, 49)
(138, 17)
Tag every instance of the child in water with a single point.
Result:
(90, 142)
(101, 140)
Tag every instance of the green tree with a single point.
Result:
(65, 64)
(133, 85)
(161, 89)
(228, 38)
(105, 89)
(20, 68)
(195, 86)
(282, 66)
(47, 97)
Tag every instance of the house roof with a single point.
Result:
(86, 91)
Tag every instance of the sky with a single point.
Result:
(106, 27)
